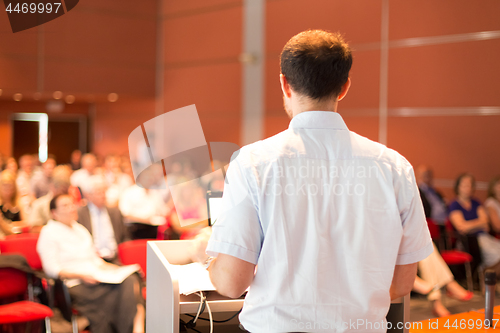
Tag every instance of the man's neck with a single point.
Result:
(306, 105)
(67, 223)
(93, 205)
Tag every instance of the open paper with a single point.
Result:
(117, 275)
(192, 278)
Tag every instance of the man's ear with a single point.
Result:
(345, 89)
(285, 87)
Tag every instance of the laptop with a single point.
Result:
(214, 205)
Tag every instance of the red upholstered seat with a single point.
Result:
(456, 257)
(134, 252)
(14, 283)
(23, 311)
(24, 244)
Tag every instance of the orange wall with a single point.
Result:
(202, 42)
(103, 47)
(460, 74)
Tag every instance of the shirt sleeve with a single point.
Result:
(48, 251)
(416, 243)
(454, 206)
(237, 231)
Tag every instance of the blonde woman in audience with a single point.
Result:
(11, 212)
(11, 165)
(492, 204)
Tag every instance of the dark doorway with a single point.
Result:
(66, 133)
(24, 138)
(63, 138)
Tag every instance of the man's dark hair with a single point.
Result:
(316, 63)
(459, 180)
(53, 202)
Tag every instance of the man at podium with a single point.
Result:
(333, 221)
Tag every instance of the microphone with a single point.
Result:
(490, 280)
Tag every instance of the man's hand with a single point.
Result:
(197, 253)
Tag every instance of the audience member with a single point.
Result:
(11, 211)
(67, 252)
(11, 165)
(105, 224)
(116, 179)
(40, 183)
(492, 204)
(75, 160)
(23, 181)
(432, 200)
(143, 207)
(471, 221)
(40, 211)
(25, 174)
(80, 177)
(434, 275)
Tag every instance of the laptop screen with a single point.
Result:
(214, 205)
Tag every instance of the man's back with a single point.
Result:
(326, 228)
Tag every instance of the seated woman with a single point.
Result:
(67, 252)
(492, 204)
(11, 213)
(434, 275)
(470, 219)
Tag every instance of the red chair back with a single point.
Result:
(13, 282)
(433, 229)
(24, 244)
(134, 252)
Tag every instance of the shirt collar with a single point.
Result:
(318, 120)
(93, 208)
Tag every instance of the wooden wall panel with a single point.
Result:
(418, 18)
(451, 145)
(96, 37)
(88, 79)
(108, 138)
(202, 43)
(358, 20)
(17, 75)
(459, 74)
(215, 88)
(211, 35)
(173, 8)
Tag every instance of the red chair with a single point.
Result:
(134, 252)
(453, 257)
(24, 244)
(14, 283)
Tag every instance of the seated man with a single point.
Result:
(41, 181)
(104, 223)
(67, 252)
